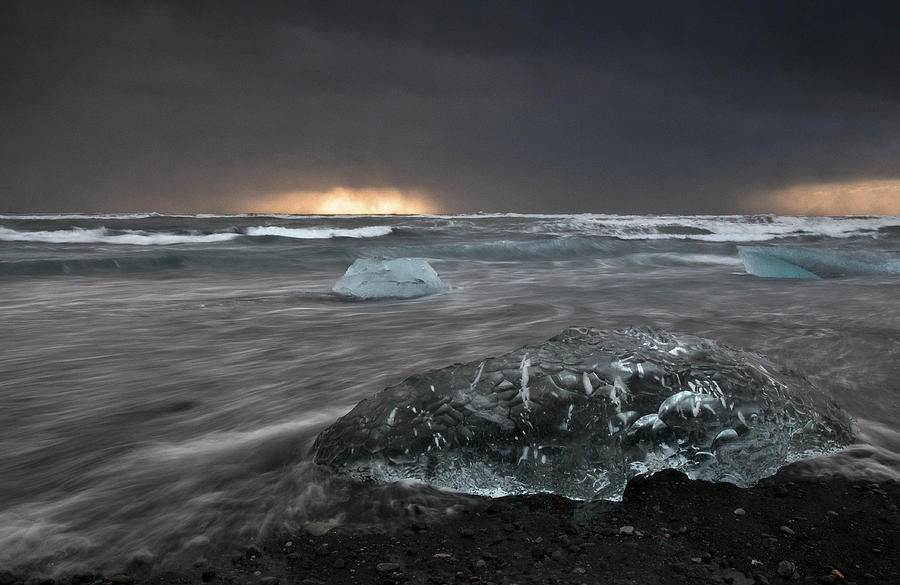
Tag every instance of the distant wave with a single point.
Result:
(78, 216)
(144, 238)
(106, 236)
(158, 229)
(729, 228)
(702, 228)
(315, 233)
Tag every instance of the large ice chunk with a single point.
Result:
(400, 278)
(582, 413)
(797, 262)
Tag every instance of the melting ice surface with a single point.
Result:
(797, 262)
(582, 413)
(401, 278)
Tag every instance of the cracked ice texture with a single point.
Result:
(585, 411)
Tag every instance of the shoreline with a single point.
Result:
(667, 529)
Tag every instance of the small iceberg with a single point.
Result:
(816, 263)
(581, 414)
(402, 278)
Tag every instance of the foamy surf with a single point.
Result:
(317, 233)
(105, 236)
(159, 401)
(145, 238)
(734, 228)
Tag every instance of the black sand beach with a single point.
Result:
(668, 529)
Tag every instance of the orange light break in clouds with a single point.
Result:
(877, 197)
(339, 201)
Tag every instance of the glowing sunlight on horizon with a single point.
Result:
(342, 201)
(876, 197)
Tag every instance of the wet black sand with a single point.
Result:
(668, 529)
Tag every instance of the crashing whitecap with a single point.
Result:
(401, 278)
(582, 413)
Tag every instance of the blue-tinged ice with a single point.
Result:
(797, 262)
(400, 278)
(585, 411)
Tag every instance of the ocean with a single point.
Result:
(163, 377)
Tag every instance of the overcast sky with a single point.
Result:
(641, 107)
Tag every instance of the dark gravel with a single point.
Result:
(668, 529)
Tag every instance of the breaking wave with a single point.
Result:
(107, 236)
(144, 238)
(730, 228)
(80, 216)
(315, 233)
(703, 228)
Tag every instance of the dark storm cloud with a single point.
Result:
(620, 107)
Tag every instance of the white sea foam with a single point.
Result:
(315, 233)
(105, 236)
(727, 228)
(143, 238)
(710, 228)
(70, 216)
